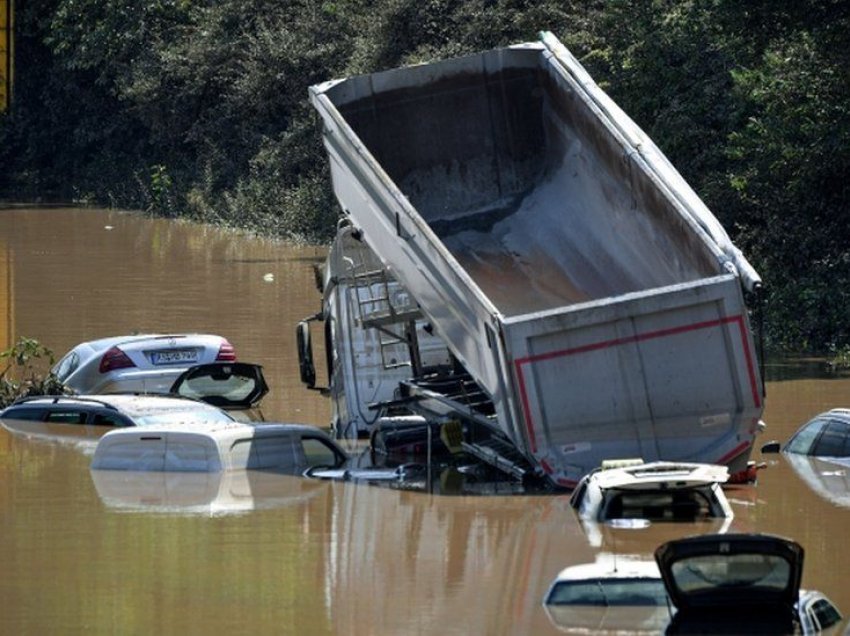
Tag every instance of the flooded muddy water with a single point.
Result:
(270, 554)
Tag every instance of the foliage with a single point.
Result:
(22, 377)
(199, 108)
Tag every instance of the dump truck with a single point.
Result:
(572, 274)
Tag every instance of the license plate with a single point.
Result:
(174, 357)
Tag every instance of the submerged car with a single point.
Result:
(144, 363)
(198, 394)
(825, 435)
(819, 452)
(632, 494)
(655, 491)
(221, 447)
(740, 584)
(619, 593)
(91, 416)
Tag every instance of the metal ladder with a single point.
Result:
(383, 304)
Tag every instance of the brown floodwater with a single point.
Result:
(98, 553)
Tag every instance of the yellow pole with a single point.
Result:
(7, 52)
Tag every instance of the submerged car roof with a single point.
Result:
(660, 473)
(131, 404)
(613, 566)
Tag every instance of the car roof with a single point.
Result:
(255, 428)
(221, 430)
(660, 474)
(131, 404)
(842, 412)
(611, 566)
(111, 341)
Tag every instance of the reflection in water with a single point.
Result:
(299, 557)
(83, 436)
(826, 477)
(211, 494)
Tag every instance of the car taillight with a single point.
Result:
(114, 359)
(226, 353)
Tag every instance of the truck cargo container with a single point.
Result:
(559, 256)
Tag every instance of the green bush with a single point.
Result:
(23, 374)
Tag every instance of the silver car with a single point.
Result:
(145, 363)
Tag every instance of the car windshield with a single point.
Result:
(185, 416)
(805, 437)
(607, 592)
(731, 572)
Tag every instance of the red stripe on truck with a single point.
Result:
(649, 335)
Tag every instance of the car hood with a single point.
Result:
(731, 570)
(227, 385)
(826, 476)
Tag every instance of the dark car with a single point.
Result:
(80, 416)
(217, 392)
(740, 584)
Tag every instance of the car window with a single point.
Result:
(67, 365)
(578, 495)
(24, 413)
(109, 419)
(824, 614)
(660, 505)
(607, 592)
(319, 453)
(805, 437)
(67, 416)
(731, 571)
(833, 442)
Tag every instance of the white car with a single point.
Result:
(633, 494)
(615, 594)
(219, 447)
(144, 363)
(656, 491)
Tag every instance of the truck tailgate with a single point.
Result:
(668, 374)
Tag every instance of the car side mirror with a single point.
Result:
(771, 447)
(307, 369)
